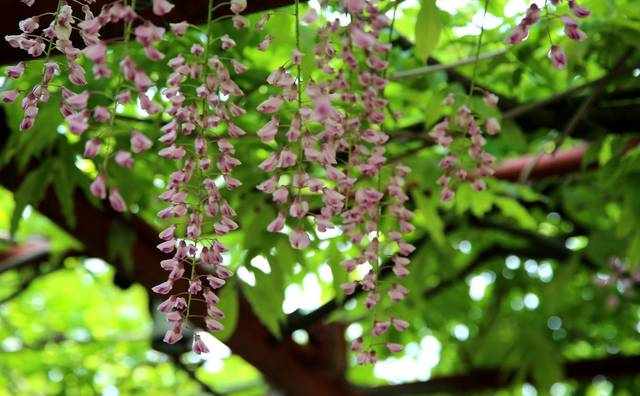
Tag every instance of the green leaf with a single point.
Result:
(42, 136)
(428, 29)
(464, 197)
(546, 367)
(427, 216)
(267, 295)
(512, 208)
(282, 27)
(256, 218)
(634, 250)
(30, 192)
(340, 275)
(64, 188)
(481, 203)
(229, 305)
(119, 243)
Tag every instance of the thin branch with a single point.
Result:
(599, 88)
(24, 255)
(487, 255)
(192, 374)
(522, 109)
(586, 105)
(478, 48)
(484, 379)
(24, 285)
(424, 70)
(560, 163)
(30, 253)
(517, 111)
(542, 248)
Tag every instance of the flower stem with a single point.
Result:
(478, 46)
(205, 112)
(299, 65)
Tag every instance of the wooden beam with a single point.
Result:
(559, 163)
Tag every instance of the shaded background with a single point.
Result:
(513, 290)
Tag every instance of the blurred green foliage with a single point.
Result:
(73, 332)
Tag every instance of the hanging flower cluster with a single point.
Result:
(293, 152)
(334, 148)
(348, 110)
(74, 106)
(360, 84)
(203, 98)
(571, 29)
(466, 160)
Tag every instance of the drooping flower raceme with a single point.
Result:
(467, 160)
(327, 168)
(349, 105)
(87, 111)
(571, 29)
(203, 98)
(330, 153)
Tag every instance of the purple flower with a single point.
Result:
(29, 25)
(139, 142)
(124, 159)
(79, 101)
(299, 239)
(9, 96)
(91, 147)
(116, 201)
(163, 288)
(271, 105)
(199, 346)
(97, 52)
(78, 123)
(579, 11)
(572, 30)
(311, 16)
(380, 328)
(98, 188)
(277, 224)
(162, 7)
(174, 335)
(518, 34)
(399, 324)
(179, 29)
(226, 42)
(348, 288)
(213, 325)
(268, 132)
(16, 71)
(398, 292)
(265, 43)
(558, 59)
(237, 6)
(492, 125)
